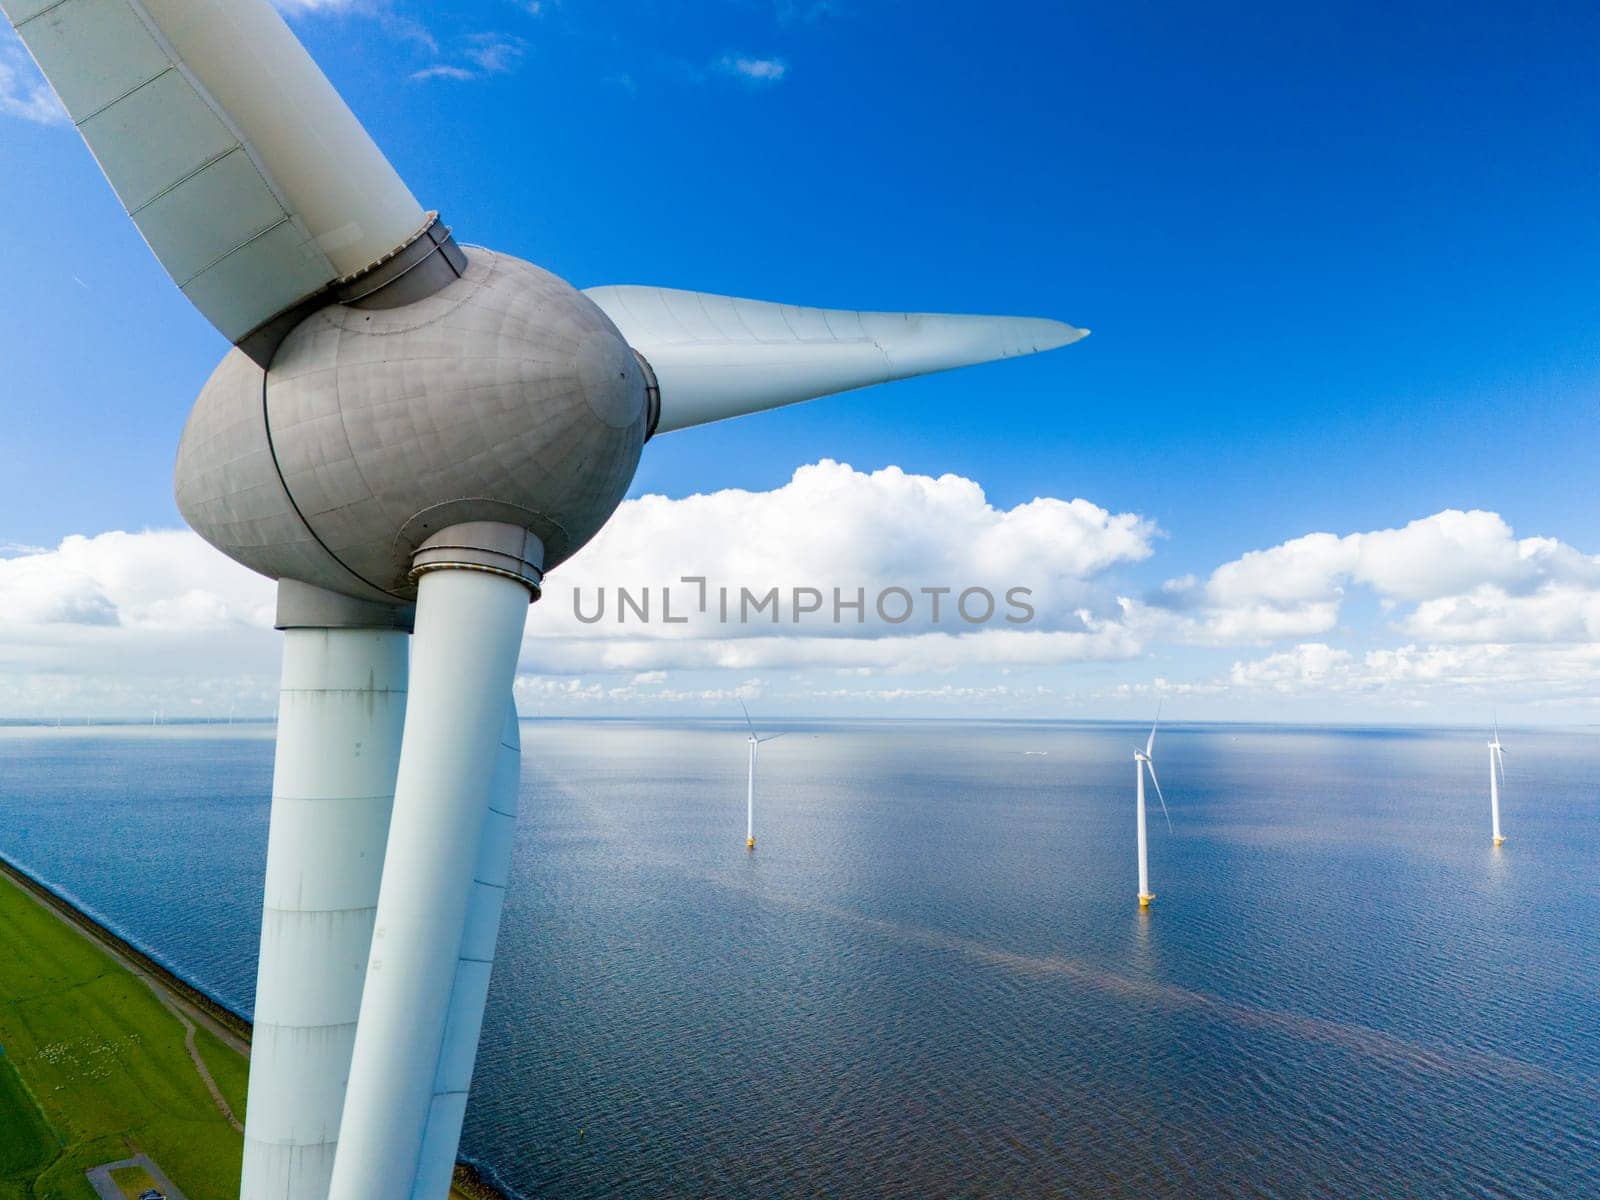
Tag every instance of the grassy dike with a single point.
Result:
(97, 1068)
(95, 1063)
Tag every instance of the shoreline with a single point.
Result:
(228, 1026)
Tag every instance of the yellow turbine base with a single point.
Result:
(750, 843)
(1145, 898)
(1499, 841)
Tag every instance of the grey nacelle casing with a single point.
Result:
(507, 396)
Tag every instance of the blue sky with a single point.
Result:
(1339, 260)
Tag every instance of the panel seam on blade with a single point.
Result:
(176, 184)
(110, 104)
(285, 218)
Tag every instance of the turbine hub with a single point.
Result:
(506, 398)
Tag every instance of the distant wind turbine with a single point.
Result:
(750, 784)
(1497, 763)
(1145, 760)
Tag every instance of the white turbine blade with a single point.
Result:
(1159, 796)
(748, 721)
(1500, 759)
(717, 357)
(248, 176)
(1150, 746)
(771, 737)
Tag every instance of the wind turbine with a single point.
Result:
(407, 435)
(1144, 760)
(1497, 763)
(750, 783)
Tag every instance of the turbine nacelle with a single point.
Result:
(506, 398)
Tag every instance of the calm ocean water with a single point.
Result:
(932, 978)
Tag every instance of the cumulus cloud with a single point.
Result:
(1416, 676)
(882, 557)
(123, 622)
(23, 92)
(1466, 576)
(1555, 611)
(164, 606)
(1311, 665)
(165, 581)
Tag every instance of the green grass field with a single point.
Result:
(95, 1069)
(26, 1144)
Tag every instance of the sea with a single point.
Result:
(932, 978)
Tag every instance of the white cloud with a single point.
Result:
(23, 92)
(495, 53)
(1309, 666)
(1467, 574)
(162, 611)
(442, 72)
(1552, 612)
(488, 54)
(933, 652)
(833, 529)
(1417, 676)
(157, 581)
(401, 28)
(755, 70)
(533, 692)
(122, 622)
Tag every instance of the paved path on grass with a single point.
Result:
(100, 1178)
(204, 1071)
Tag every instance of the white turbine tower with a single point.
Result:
(407, 435)
(750, 781)
(1144, 760)
(1497, 776)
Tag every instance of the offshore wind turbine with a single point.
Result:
(1144, 760)
(407, 435)
(1497, 763)
(755, 741)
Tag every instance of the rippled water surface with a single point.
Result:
(932, 978)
